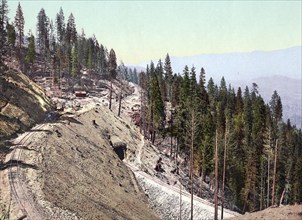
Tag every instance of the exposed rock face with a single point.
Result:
(22, 102)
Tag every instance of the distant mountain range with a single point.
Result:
(289, 89)
(272, 70)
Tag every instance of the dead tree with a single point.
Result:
(120, 100)
(275, 171)
(180, 202)
(261, 185)
(224, 166)
(141, 128)
(110, 93)
(216, 177)
(268, 181)
(191, 157)
(281, 199)
(268, 169)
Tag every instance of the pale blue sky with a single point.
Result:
(145, 30)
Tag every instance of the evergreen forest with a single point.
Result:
(258, 153)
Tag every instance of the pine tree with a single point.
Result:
(89, 59)
(74, 62)
(168, 76)
(71, 32)
(3, 22)
(157, 108)
(161, 81)
(122, 70)
(112, 64)
(182, 110)
(113, 73)
(11, 35)
(60, 26)
(193, 84)
(239, 101)
(276, 106)
(52, 40)
(202, 93)
(43, 31)
(185, 86)
(103, 60)
(135, 76)
(31, 51)
(19, 23)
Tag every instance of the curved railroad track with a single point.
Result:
(17, 190)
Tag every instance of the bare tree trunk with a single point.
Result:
(120, 101)
(176, 153)
(191, 159)
(180, 202)
(143, 126)
(268, 179)
(275, 170)
(202, 168)
(216, 177)
(153, 136)
(110, 94)
(261, 185)
(171, 146)
(171, 143)
(59, 77)
(268, 171)
(224, 166)
(281, 199)
(141, 115)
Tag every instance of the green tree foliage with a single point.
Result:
(276, 106)
(43, 31)
(168, 76)
(19, 23)
(74, 62)
(3, 22)
(11, 34)
(89, 59)
(71, 31)
(112, 64)
(247, 132)
(52, 39)
(31, 50)
(60, 26)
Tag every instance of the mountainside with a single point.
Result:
(22, 102)
(71, 170)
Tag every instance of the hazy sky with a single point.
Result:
(145, 30)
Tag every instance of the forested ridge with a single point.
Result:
(57, 49)
(259, 154)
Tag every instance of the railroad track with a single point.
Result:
(175, 189)
(16, 189)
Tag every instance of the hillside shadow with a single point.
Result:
(14, 163)
(70, 120)
(41, 130)
(5, 148)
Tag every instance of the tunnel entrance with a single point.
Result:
(120, 150)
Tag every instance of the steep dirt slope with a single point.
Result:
(79, 175)
(293, 212)
(22, 102)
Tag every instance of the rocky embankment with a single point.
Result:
(22, 102)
